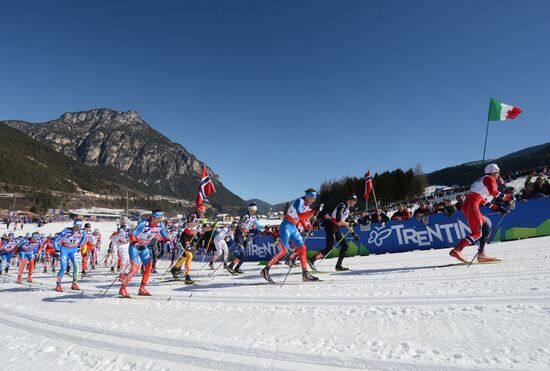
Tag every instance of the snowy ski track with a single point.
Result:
(407, 311)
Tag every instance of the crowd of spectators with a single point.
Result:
(536, 186)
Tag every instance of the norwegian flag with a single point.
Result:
(206, 187)
(368, 185)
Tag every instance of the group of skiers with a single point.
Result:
(131, 248)
(50, 249)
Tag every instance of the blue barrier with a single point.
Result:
(529, 219)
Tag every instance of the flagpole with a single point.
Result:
(485, 145)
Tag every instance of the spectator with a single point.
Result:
(379, 217)
(402, 213)
(539, 189)
(423, 210)
(459, 202)
(446, 207)
(363, 218)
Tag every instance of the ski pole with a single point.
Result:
(290, 268)
(206, 248)
(219, 266)
(116, 279)
(337, 243)
(489, 237)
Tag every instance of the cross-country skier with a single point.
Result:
(49, 251)
(96, 248)
(26, 250)
(220, 237)
(480, 226)
(7, 249)
(86, 248)
(68, 243)
(148, 231)
(192, 228)
(247, 228)
(297, 213)
(333, 234)
(120, 243)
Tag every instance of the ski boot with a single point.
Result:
(45, 270)
(238, 271)
(307, 277)
(19, 279)
(53, 270)
(154, 271)
(176, 272)
(143, 291)
(74, 286)
(211, 265)
(457, 254)
(188, 280)
(229, 268)
(113, 269)
(84, 274)
(341, 268)
(29, 279)
(58, 288)
(484, 258)
(266, 276)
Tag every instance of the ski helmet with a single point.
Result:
(491, 168)
(252, 206)
(351, 197)
(87, 225)
(77, 223)
(157, 214)
(35, 235)
(201, 207)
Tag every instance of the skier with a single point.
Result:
(146, 232)
(96, 248)
(298, 212)
(247, 228)
(26, 250)
(49, 251)
(109, 257)
(189, 233)
(220, 237)
(120, 243)
(86, 248)
(480, 226)
(7, 248)
(68, 243)
(333, 234)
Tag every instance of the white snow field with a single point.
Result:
(391, 312)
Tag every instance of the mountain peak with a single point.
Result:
(101, 114)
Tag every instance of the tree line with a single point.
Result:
(390, 187)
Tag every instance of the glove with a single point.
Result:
(501, 210)
(140, 247)
(355, 237)
(511, 204)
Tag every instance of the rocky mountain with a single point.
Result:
(123, 144)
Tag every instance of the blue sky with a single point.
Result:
(277, 96)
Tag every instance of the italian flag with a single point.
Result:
(499, 111)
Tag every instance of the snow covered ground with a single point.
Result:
(391, 312)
